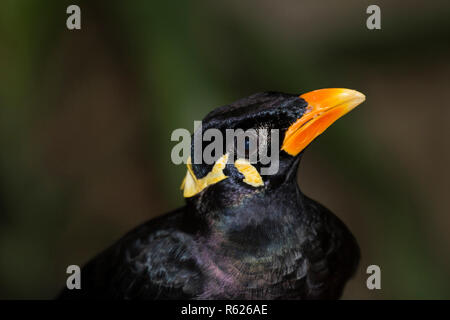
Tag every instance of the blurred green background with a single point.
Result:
(86, 118)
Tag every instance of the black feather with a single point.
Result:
(233, 241)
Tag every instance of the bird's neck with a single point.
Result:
(259, 217)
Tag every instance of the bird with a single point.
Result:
(240, 234)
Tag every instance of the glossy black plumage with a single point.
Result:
(232, 240)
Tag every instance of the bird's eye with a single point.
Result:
(247, 144)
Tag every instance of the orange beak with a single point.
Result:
(325, 106)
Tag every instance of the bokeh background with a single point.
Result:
(86, 118)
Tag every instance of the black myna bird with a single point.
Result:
(241, 235)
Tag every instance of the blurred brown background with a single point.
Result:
(86, 117)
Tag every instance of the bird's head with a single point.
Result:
(257, 142)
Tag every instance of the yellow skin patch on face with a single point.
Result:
(252, 176)
(192, 185)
